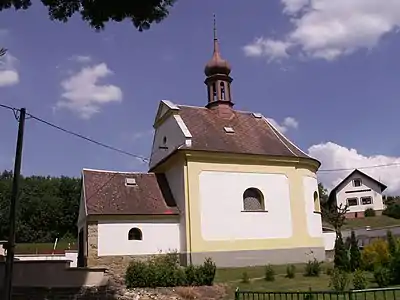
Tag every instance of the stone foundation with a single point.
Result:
(360, 214)
(117, 265)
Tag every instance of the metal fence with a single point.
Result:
(368, 294)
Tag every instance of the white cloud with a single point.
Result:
(270, 48)
(83, 94)
(288, 123)
(333, 156)
(8, 72)
(329, 29)
(81, 58)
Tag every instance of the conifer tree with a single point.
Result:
(392, 243)
(355, 254)
(341, 260)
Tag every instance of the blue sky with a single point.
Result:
(329, 77)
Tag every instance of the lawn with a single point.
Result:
(44, 248)
(373, 222)
(235, 274)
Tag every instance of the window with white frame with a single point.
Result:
(366, 200)
(357, 182)
(352, 201)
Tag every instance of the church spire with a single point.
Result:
(218, 80)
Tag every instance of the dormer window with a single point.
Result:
(357, 182)
(229, 130)
(130, 182)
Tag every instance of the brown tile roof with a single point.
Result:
(107, 194)
(252, 135)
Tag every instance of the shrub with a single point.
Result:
(369, 212)
(329, 271)
(269, 273)
(313, 268)
(382, 276)
(395, 268)
(393, 211)
(360, 281)
(290, 271)
(245, 277)
(165, 271)
(341, 259)
(339, 280)
(375, 254)
(355, 254)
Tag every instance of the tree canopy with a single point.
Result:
(48, 208)
(142, 13)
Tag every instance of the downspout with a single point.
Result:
(188, 212)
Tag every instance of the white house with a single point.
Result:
(360, 192)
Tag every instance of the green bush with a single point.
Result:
(369, 212)
(165, 271)
(393, 211)
(290, 271)
(360, 281)
(269, 273)
(394, 266)
(382, 276)
(339, 280)
(392, 243)
(375, 254)
(313, 268)
(245, 277)
(329, 271)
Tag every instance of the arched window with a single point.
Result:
(316, 202)
(222, 85)
(214, 88)
(253, 200)
(135, 234)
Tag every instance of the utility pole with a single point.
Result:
(10, 247)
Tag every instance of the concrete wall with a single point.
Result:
(53, 273)
(329, 240)
(222, 214)
(312, 207)
(158, 236)
(71, 256)
(368, 188)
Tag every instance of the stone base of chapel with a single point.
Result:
(223, 259)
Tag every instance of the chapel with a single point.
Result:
(222, 183)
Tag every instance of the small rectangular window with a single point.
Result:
(357, 182)
(366, 200)
(352, 201)
(229, 130)
(130, 181)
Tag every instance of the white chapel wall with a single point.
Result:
(358, 192)
(176, 180)
(170, 132)
(157, 236)
(314, 222)
(221, 205)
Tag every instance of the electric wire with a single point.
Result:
(145, 159)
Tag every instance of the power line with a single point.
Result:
(366, 167)
(144, 159)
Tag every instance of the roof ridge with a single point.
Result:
(116, 172)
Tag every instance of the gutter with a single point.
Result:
(188, 223)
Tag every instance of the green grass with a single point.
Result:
(235, 274)
(33, 248)
(373, 222)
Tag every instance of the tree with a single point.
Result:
(142, 13)
(336, 216)
(392, 243)
(323, 194)
(3, 51)
(355, 254)
(341, 260)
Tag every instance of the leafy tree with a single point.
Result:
(47, 208)
(142, 13)
(3, 51)
(336, 216)
(355, 254)
(323, 194)
(341, 260)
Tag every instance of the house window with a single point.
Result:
(366, 200)
(253, 200)
(352, 201)
(316, 202)
(135, 234)
(357, 182)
